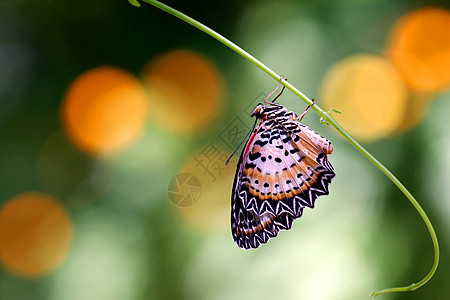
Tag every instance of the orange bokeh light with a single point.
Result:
(185, 88)
(419, 47)
(418, 107)
(35, 234)
(370, 94)
(105, 109)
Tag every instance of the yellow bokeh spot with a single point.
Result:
(370, 94)
(419, 46)
(417, 108)
(185, 88)
(35, 234)
(104, 110)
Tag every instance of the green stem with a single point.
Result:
(327, 118)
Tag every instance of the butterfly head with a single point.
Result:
(262, 111)
(259, 111)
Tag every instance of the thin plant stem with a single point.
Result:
(325, 117)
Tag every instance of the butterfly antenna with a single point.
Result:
(241, 142)
(278, 86)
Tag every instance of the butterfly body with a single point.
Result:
(282, 169)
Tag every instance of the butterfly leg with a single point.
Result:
(300, 117)
(278, 86)
(282, 90)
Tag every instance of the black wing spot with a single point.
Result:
(261, 143)
(265, 135)
(250, 165)
(253, 156)
(278, 160)
(287, 139)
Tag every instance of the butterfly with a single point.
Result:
(282, 169)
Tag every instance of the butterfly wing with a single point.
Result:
(282, 170)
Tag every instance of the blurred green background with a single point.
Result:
(115, 123)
